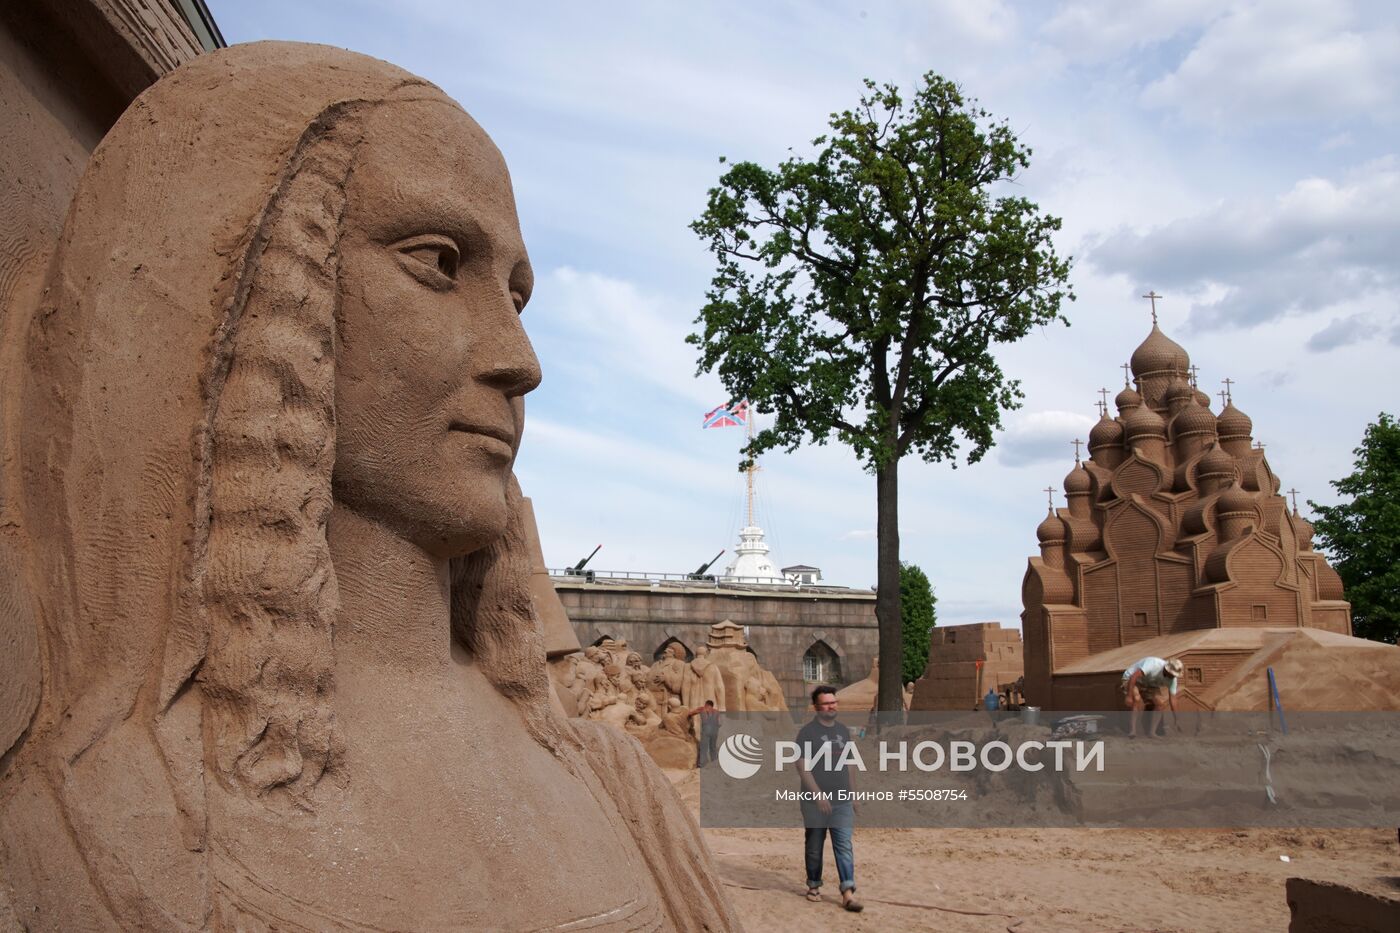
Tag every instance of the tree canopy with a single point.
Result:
(916, 606)
(858, 294)
(1362, 536)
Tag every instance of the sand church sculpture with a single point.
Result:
(1175, 524)
(271, 658)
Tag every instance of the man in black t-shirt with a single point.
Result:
(821, 743)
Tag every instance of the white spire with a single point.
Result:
(751, 563)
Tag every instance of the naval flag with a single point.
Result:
(728, 416)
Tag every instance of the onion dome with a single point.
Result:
(1233, 422)
(1077, 480)
(1159, 353)
(1127, 399)
(1178, 393)
(1050, 531)
(1202, 399)
(1107, 433)
(1234, 499)
(1216, 462)
(1193, 419)
(1144, 422)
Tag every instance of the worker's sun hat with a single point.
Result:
(1175, 667)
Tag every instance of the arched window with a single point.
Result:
(662, 648)
(820, 665)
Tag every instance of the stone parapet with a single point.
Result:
(782, 623)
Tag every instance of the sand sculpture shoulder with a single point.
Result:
(269, 408)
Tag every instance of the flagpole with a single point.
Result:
(753, 464)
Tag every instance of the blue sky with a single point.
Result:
(1239, 158)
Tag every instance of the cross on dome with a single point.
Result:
(1153, 296)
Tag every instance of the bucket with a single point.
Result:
(1030, 715)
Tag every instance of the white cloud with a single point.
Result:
(991, 21)
(1040, 437)
(631, 461)
(1099, 30)
(1318, 246)
(1275, 61)
(604, 328)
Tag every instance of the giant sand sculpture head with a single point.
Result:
(287, 296)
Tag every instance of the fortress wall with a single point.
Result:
(782, 624)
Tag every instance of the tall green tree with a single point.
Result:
(858, 295)
(916, 607)
(1362, 536)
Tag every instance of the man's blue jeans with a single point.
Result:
(839, 824)
(708, 749)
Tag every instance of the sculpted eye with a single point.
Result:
(432, 258)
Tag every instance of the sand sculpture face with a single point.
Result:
(428, 263)
(270, 407)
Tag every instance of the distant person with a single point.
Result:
(708, 749)
(1151, 680)
(821, 742)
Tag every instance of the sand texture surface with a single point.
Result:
(1045, 880)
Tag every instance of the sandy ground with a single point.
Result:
(1038, 881)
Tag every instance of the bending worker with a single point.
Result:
(1151, 680)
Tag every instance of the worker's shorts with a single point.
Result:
(1155, 697)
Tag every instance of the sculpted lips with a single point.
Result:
(504, 435)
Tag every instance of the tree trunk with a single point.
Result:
(891, 692)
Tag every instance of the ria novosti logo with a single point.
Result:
(740, 756)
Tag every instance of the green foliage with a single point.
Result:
(917, 616)
(1362, 536)
(857, 294)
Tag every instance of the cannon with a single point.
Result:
(700, 572)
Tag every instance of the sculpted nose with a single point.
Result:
(509, 364)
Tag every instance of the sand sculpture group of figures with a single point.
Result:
(609, 683)
(270, 659)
